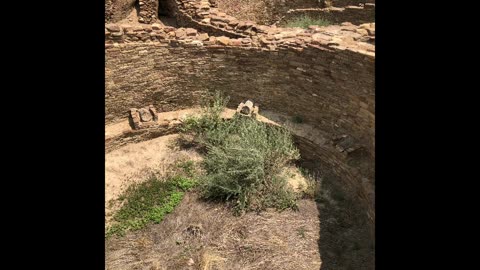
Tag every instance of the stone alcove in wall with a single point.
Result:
(166, 12)
(150, 11)
(164, 8)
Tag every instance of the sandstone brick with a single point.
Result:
(203, 36)
(191, 32)
(223, 40)
(156, 26)
(113, 28)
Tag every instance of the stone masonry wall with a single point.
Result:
(148, 11)
(323, 75)
(315, 61)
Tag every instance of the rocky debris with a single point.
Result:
(247, 109)
(148, 11)
(144, 117)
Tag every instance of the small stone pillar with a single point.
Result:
(247, 109)
(144, 117)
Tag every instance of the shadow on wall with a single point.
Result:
(346, 240)
(136, 6)
(166, 13)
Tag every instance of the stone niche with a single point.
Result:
(143, 118)
(247, 109)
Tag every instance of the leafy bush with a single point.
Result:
(210, 118)
(305, 21)
(244, 159)
(149, 202)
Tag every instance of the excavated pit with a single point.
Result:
(332, 232)
(317, 82)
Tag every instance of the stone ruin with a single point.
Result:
(247, 109)
(326, 71)
(144, 117)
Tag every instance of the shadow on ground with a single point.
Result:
(346, 238)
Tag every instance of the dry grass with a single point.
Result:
(247, 10)
(263, 11)
(213, 238)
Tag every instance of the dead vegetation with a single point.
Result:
(210, 236)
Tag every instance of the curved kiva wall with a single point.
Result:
(323, 75)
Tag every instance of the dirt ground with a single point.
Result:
(330, 233)
(203, 235)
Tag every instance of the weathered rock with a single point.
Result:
(203, 36)
(191, 32)
(247, 109)
(223, 40)
(113, 28)
(145, 115)
(156, 26)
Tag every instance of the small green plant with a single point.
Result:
(305, 21)
(301, 232)
(212, 108)
(188, 167)
(149, 202)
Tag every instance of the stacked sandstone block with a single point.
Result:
(148, 11)
(346, 36)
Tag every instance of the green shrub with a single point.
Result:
(244, 159)
(149, 202)
(212, 108)
(305, 21)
